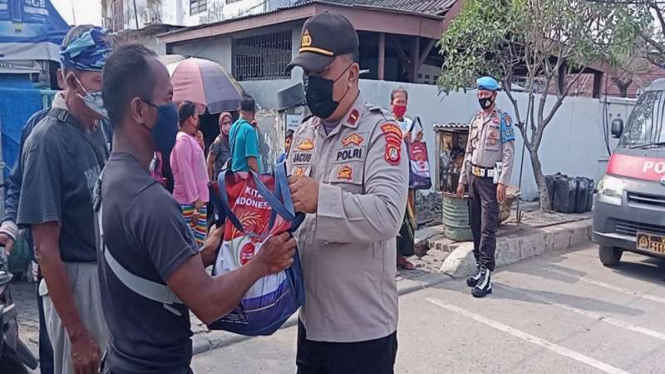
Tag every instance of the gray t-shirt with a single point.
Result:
(61, 162)
(145, 232)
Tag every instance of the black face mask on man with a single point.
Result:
(165, 129)
(486, 102)
(319, 94)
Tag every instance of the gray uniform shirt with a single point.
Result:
(488, 144)
(347, 247)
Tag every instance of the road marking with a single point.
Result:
(592, 315)
(610, 286)
(606, 368)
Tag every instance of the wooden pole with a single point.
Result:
(415, 59)
(73, 12)
(382, 56)
(136, 15)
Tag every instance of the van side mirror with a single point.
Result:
(617, 127)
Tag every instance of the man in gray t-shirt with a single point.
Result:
(144, 231)
(62, 159)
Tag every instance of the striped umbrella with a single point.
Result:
(206, 84)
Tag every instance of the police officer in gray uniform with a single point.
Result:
(350, 175)
(488, 163)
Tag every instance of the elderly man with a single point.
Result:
(350, 175)
(62, 158)
(488, 163)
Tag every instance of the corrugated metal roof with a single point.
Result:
(434, 7)
(450, 126)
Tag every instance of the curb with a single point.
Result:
(461, 263)
(204, 342)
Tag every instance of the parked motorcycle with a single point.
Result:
(15, 357)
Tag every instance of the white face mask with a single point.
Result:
(93, 100)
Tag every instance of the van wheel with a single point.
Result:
(609, 256)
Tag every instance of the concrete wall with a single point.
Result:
(216, 49)
(573, 142)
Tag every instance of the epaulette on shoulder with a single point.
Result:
(385, 115)
(307, 118)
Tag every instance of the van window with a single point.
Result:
(645, 124)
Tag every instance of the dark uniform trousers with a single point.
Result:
(370, 357)
(484, 214)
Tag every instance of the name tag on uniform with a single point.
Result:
(300, 158)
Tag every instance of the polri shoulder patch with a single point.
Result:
(393, 135)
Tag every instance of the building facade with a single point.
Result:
(121, 15)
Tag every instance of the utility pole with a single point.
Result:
(71, 2)
(136, 15)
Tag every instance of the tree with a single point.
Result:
(546, 45)
(629, 71)
(654, 36)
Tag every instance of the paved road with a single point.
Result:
(563, 313)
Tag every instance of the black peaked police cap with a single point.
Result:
(324, 37)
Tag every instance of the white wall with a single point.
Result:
(218, 50)
(573, 143)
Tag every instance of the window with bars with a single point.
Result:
(262, 57)
(197, 6)
(232, 1)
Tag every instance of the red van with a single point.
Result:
(629, 206)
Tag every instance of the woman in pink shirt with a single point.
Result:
(190, 175)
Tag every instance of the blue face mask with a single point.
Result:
(93, 100)
(166, 127)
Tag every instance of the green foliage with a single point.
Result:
(538, 41)
(531, 37)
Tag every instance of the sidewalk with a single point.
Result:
(437, 259)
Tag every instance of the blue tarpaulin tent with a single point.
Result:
(30, 30)
(18, 101)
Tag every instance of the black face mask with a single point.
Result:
(319, 95)
(486, 102)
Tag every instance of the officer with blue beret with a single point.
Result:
(488, 163)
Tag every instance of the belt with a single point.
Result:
(482, 172)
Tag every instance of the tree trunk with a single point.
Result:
(623, 90)
(544, 197)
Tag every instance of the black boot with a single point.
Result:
(484, 285)
(473, 280)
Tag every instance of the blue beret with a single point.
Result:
(487, 83)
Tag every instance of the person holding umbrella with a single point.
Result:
(190, 176)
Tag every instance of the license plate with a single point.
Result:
(650, 243)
